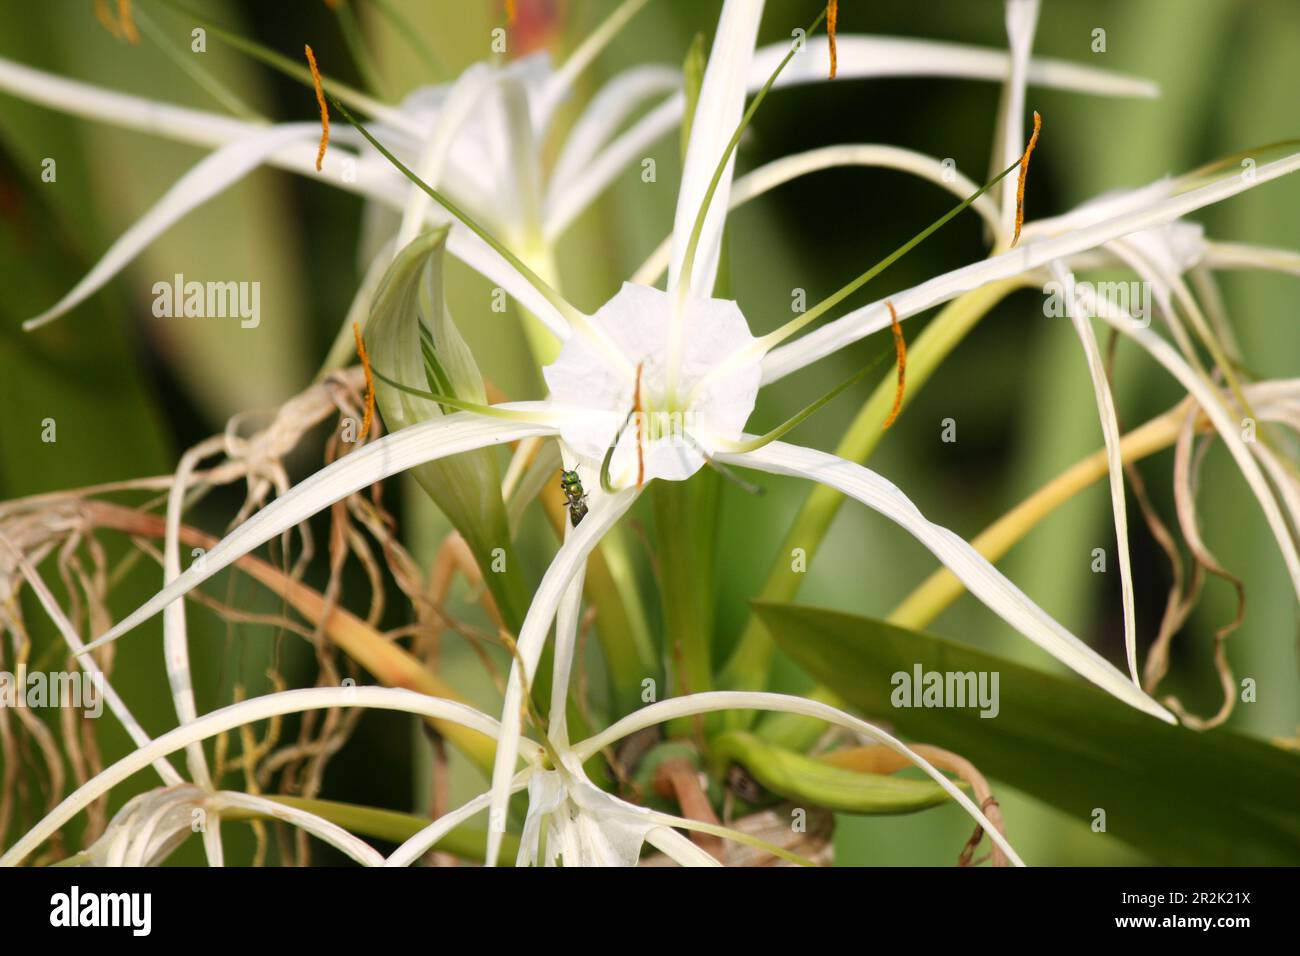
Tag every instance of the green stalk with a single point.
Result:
(747, 668)
(686, 525)
(391, 826)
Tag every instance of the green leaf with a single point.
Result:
(413, 341)
(1186, 798)
(800, 778)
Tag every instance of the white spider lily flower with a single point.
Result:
(583, 825)
(678, 352)
(496, 121)
(161, 802)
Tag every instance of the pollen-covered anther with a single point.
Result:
(832, 16)
(122, 26)
(1024, 172)
(900, 352)
(364, 356)
(324, 109)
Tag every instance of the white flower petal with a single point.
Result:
(131, 112)
(1212, 405)
(176, 653)
(317, 826)
(532, 636)
(876, 56)
(422, 842)
(981, 578)
(236, 715)
(487, 262)
(394, 453)
(787, 168)
(214, 174)
(712, 701)
(637, 323)
(717, 114)
(859, 57)
(607, 111)
(678, 848)
(1022, 21)
(566, 645)
(862, 322)
(1110, 432)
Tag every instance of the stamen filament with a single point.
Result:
(490, 411)
(773, 339)
(697, 230)
(753, 444)
(764, 344)
(688, 260)
(276, 61)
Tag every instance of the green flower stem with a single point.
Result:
(748, 665)
(390, 826)
(686, 524)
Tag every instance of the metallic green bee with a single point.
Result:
(571, 485)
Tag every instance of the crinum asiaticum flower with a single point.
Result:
(680, 357)
(580, 823)
(482, 139)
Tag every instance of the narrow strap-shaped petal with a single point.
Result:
(788, 168)
(1115, 466)
(427, 441)
(1219, 416)
(566, 646)
(212, 175)
(981, 578)
(237, 715)
(606, 112)
(862, 322)
(678, 848)
(317, 826)
(712, 701)
(860, 57)
(1022, 21)
(121, 109)
(717, 113)
(583, 539)
(424, 841)
(176, 651)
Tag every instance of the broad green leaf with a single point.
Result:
(800, 778)
(1186, 798)
(412, 339)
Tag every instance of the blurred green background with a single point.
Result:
(129, 391)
